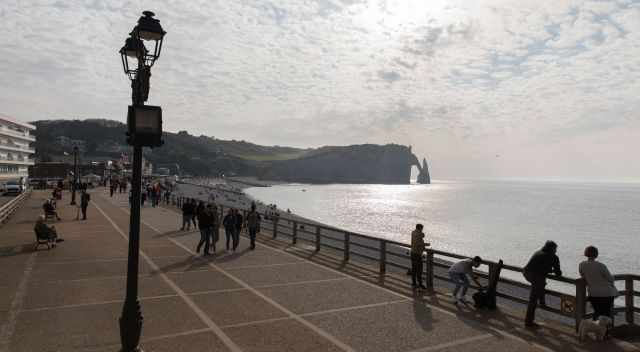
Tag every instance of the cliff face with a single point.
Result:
(423, 176)
(367, 163)
(208, 156)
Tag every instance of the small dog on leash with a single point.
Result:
(600, 328)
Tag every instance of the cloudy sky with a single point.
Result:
(481, 88)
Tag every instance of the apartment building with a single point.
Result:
(16, 150)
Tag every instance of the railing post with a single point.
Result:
(294, 235)
(346, 246)
(383, 256)
(581, 302)
(429, 269)
(492, 274)
(317, 238)
(628, 300)
(275, 227)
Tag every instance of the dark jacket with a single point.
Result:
(253, 220)
(84, 199)
(206, 218)
(199, 209)
(187, 208)
(238, 221)
(543, 262)
(229, 221)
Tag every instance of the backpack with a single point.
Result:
(486, 297)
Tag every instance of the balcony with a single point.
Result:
(16, 148)
(16, 134)
(17, 161)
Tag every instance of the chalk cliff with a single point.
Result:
(366, 163)
(423, 176)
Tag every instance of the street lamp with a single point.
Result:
(144, 129)
(75, 175)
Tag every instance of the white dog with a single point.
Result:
(599, 328)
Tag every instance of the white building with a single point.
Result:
(16, 152)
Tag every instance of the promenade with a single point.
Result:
(276, 298)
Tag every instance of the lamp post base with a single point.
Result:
(131, 326)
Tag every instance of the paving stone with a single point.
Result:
(75, 271)
(394, 327)
(166, 250)
(182, 264)
(226, 308)
(96, 325)
(282, 274)
(313, 297)
(62, 293)
(491, 344)
(203, 341)
(286, 335)
(199, 281)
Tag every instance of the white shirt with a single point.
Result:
(462, 267)
(598, 278)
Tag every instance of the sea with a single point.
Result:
(506, 220)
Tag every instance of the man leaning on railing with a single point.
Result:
(417, 248)
(542, 263)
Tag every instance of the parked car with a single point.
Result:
(12, 188)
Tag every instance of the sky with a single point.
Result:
(534, 89)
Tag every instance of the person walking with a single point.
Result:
(460, 273)
(215, 225)
(199, 208)
(253, 224)
(542, 263)
(238, 228)
(205, 218)
(187, 211)
(417, 248)
(113, 184)
(600, 284)
(194, 206)
(84, 203)
(229, 224)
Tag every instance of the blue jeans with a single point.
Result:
(230, 237)
(462, 283)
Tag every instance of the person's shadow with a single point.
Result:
(422, 313)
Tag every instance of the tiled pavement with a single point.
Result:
(275, 298)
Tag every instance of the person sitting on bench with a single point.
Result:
(44, 232)
(49, 209)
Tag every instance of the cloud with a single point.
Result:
(389, 76)
(291, 72)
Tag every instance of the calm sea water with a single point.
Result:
(497, 220)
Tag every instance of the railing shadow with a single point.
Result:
(21, 249)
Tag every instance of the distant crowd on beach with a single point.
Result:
(600, 283)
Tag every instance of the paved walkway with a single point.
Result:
(275, 298)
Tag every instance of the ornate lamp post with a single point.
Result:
(75, 175)
(144, 125)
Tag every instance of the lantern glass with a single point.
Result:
(147, 121)
(145, 125)
(148, 35)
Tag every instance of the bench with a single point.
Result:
(41, 239)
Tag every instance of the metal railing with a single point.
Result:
(387, 254)
(11, 206)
